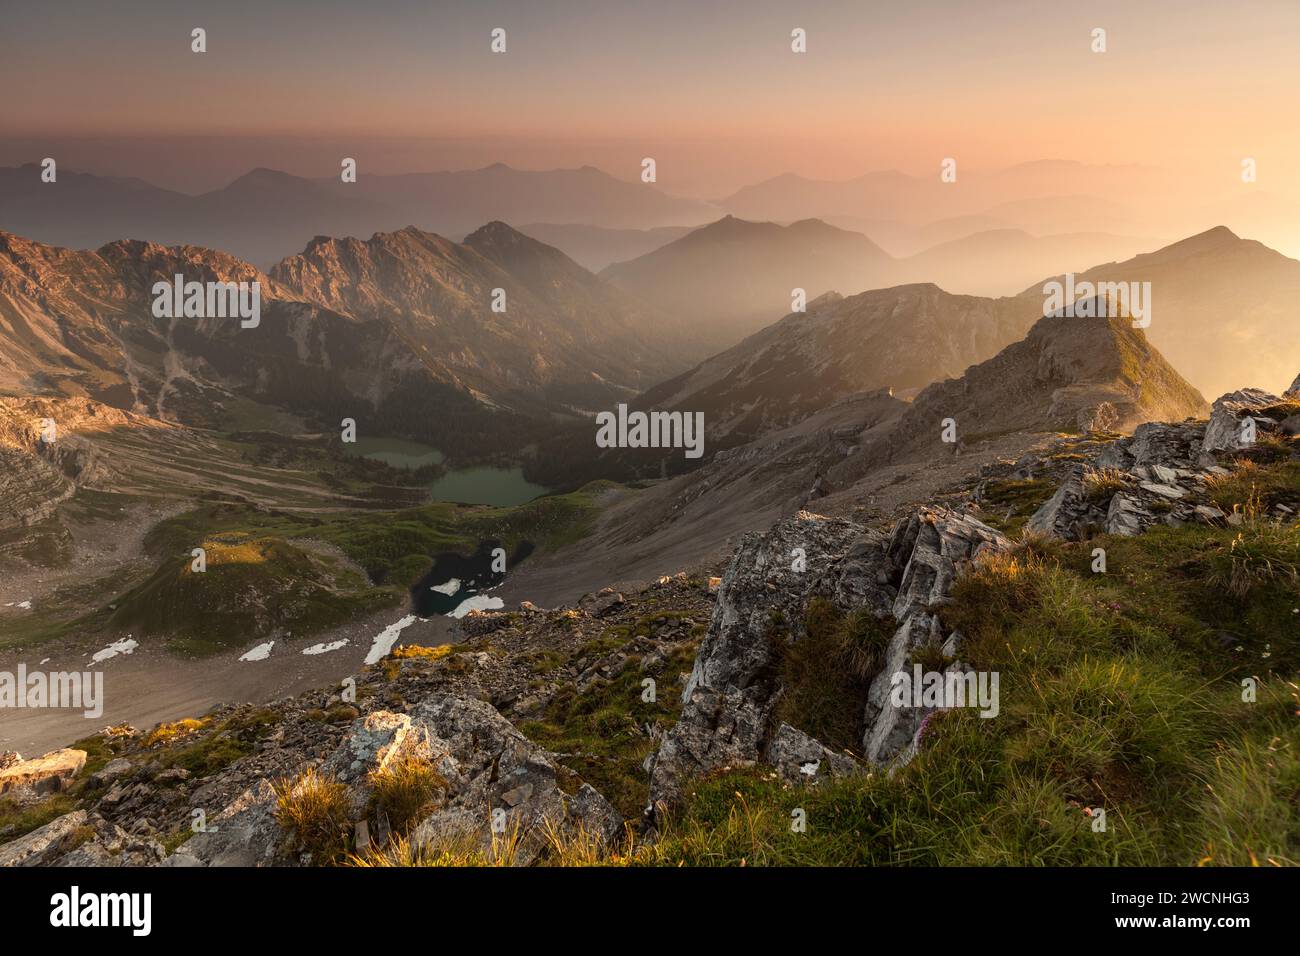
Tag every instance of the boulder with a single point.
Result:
(802, 759)
(49, 773)
(1224, 431)
(489, 766)
(42, 846)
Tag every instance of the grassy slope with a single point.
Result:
(1120, 690)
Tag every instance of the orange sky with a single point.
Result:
(712, 89)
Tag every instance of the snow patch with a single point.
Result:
(326, 648)
(450, 588)
(117, 647)
(387, 638)
(479, 602)
(259, 653)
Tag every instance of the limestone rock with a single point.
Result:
(488, 766)
(730, 698)
(1224, 431)
(802, 759)
(50, 772)
(731, 691)
(43, 845)
(245, 833)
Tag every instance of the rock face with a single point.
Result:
(728, 701)
(36, 475)
(728, 704)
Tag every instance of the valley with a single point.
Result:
(389, 484)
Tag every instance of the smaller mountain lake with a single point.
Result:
(502, 487)
(395, 452)
(457, 584)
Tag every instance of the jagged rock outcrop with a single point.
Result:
(1161, 473)
(1065, 511)
(490, 766)
(728, 704)
(728, 701)
(1226, 430)
(929, 548)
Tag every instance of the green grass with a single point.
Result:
(825, 675)
(18, 820)
(1021, 497)
(600, 735)
(253, 587)
(1120, 691)
(395, 547)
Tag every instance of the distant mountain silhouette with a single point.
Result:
(1224, 308)
(734, 276)
(265, 215)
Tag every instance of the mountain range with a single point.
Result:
(265, 214)
(399, 329)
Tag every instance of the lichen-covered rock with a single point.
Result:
(43, 845)
(498, 782)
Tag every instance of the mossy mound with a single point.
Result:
(252, 587)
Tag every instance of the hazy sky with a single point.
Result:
(711, 89)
